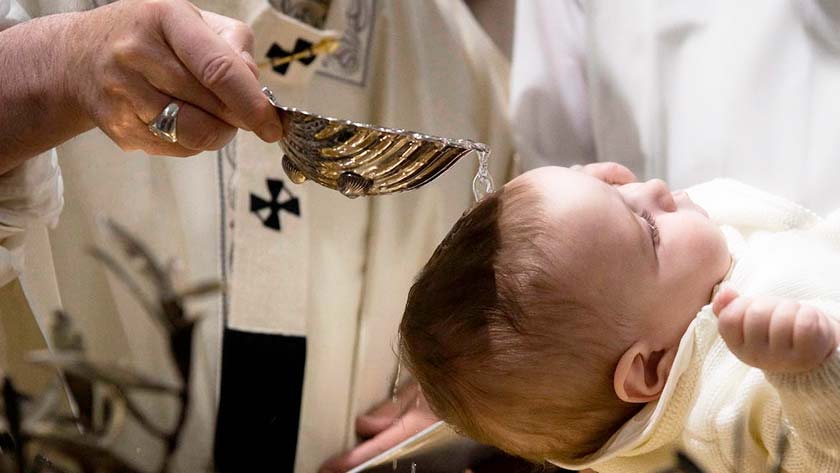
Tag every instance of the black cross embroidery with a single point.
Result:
(276, 51)
(269, 211)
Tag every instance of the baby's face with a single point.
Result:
(638, 249)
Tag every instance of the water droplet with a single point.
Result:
(483, 181)
(396, 384)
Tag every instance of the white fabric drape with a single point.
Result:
(31, 198)
(683, 90)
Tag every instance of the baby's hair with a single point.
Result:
(499, 343)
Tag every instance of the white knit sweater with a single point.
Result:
(712, 398)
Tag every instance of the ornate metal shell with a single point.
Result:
(363, 160)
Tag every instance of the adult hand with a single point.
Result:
(775, 334)
(609, 172)
(384, 427)
(129, 59)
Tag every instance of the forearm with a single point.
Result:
(38, 110)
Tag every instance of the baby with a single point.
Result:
(575, 316)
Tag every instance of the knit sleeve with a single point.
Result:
(811, 411)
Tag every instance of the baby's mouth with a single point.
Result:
(684, 202)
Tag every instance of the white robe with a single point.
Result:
(430, 68)
(31, 199)
(684, 90)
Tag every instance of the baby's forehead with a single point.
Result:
(542, 175)
(537, 186)
(574, 215)
(557, 190)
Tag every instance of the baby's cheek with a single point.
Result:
(698, 245)
(720, 256)
(710, 250)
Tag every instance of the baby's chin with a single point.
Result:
(722, 260)
(713, 258)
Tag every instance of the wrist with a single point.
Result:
(65, 70)
(817, 378)
(40, 109)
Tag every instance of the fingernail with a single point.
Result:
(271, 132)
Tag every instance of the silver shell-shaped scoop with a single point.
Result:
(363, 160)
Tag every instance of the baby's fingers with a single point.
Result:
(722, 299)
(813, 337)
(757, 324)
(782, 326)
(731, 321)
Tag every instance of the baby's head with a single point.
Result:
(553, 310)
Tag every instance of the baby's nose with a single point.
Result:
(661, 194)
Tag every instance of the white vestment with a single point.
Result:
(31, 199)
(428, 67)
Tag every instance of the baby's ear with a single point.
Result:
(641, 373)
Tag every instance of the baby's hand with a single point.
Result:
(774, 334)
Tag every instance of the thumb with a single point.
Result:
(387, 412)
(610, 172)
(723, 298)
(369, 425)
(617, 174)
